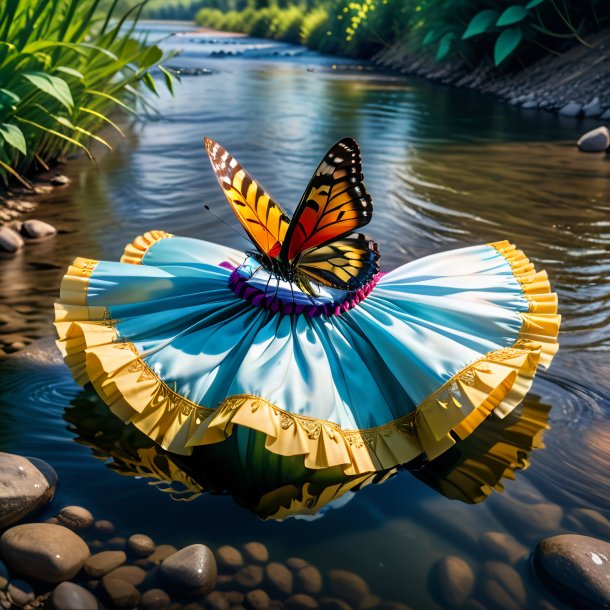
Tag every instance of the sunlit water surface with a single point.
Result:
(446, 168)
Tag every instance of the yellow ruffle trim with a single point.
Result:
(495, 383)
(135, 251)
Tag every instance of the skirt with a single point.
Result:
(177, 343)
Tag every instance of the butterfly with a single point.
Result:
(316, 246)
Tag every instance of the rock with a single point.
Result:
(593, 108)
(572, 108)
(20, 592)
(502, 547)
(596, 140)
(75, 517)
(334, 603)
(249, 577)
(257, 600)
(606, 115)
(256, 552)
(296, 563)
(309, 580)
(456, 580)
(576, 566)
(10, 240)
(25, 485)
(132, 574)
(590, 521)
(121, 593)
(300, 602)
(155, 599)
(3, 576)
(529, 104)
(104, 527)
(191, 570)
(280, 578)
(391, 606)
(101, 563)
(162, 552)
(37, 228)
(43, 551)
(70, 596)
(60, 180)
(503, 586)
(140, 545)
(225, 580)
(348, 586)
(229, 558)
(217, 601)
(234, 597)
(118, 543)
(370, 601)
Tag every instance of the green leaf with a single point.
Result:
(151, 57)
(506, 43)
(533, 3)
(11, 97)
(13, 136)
(445, 45)
(513, 14)
(480, 23)
(71, 72)
(169, 79)
(53, 85)
(149, 81)
(430, 37)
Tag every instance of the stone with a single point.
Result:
(256, 552)
(132, 574)
(606, 115)
(296, 563)
(529, 104)
(596, 140)
(387, 605)
(225, 580)
(348, 586)
(20, 592)
(502, 547)
(257, 599)
(60, 180)
(47, 552)
(101, 563)
(155, 599)
(249, 577)
(234, 597)
(25, 485)
(280, 578)
(10, 240)
(592, 108)
(370, 601)
(191, 570)
(309, 580)
(300, 601)
(121, 593)
(140, 545)
(70, 596)
(3, 576)
(162, 552)
(229, 558)
(217, 601)
(37, 228)
(104, 527)
(118, 543)
(576, 566)
(75, 517)
(572, 108)
(456, 580)
(591, 521)
(503, 586)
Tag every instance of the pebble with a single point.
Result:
(502, 547)
(155, 599)
(20, 592)
(132, 574)
(348, 586)
(591, 521)
(10, 240)
(44, 551)
(391, 606)
(118, 543)
(572, 108)
(70, 596)
(576, 566)
(256, 552)
(310, 580)
(229, 558)
(101, 563)
(280, 578)
(456, 580)
(300, 602)
(104, 527)
(162, 552)
(592, 108)
(606, 115)
(234, 597)
(140, 545)
(75, 517)
(217, 601)
(191, 570)
(249, 577)
(3, 576)
(529, 104)
(257, 599)
(37, 228)
(296, 563)
(334, 603)
(503, 586)
(596, 140)
(121, 593)
(60, 180)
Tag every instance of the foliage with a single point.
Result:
(64, 68)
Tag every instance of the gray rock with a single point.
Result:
(502, 547)
(300, 602)
(70, 596)
(101, 563)
(590, 521)
(75, 517)
(37, 228)
(456, 580)
(249, 577)
(257, 600)
(140, 545)
(280, 578)
(596, 140)
(25, 485)
(256, 552)
(503, 586)
(529, 104)
(593, 108)
(348, 586)
(606, 115)
(121, 593)
(155, 599)
(60, 180)
(132, 574)
(10, 240)
(20, 592)
(576, 566)
(47, 552)
(309, 580)
(229, 558)
(191, 570)
(572, 108)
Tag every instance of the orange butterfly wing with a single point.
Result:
(334, 204)
(263, 218)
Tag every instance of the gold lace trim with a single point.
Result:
(135, 251)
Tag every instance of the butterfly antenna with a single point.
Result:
(226, 224)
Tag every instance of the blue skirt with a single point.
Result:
(180, 344)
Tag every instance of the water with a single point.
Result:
(446, 169)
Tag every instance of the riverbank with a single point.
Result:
(573, 83)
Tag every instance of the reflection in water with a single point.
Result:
(276, 487)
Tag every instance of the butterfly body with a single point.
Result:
(315, 246)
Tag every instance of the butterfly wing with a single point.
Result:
(346, 264)
(263, 218)
(334, 204)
